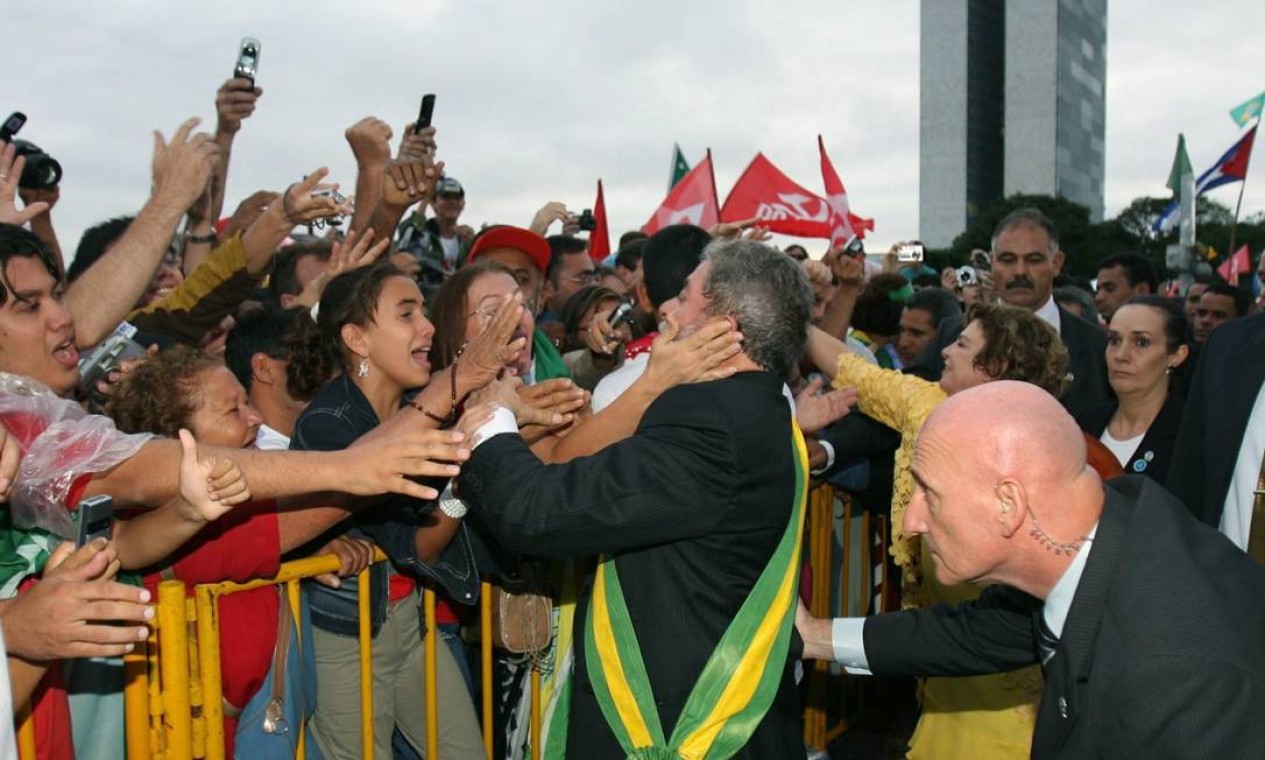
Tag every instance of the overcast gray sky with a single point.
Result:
(539, 100)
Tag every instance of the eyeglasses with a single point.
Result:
(586, 278)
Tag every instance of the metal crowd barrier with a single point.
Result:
(173, 689)
(819, 707)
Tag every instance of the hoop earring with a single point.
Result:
(363, 370)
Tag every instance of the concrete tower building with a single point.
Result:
(1013, 100)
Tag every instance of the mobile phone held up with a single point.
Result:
(247, 59)
(93, 519)
(425, 113)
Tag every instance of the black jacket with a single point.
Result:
(691, 507)
(1154, 454)
(1224, 387)
(1162, 654)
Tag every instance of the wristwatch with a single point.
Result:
(454, 508)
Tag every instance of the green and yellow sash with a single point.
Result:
(741, 677)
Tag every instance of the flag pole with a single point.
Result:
(711, 167)
(1234, 226)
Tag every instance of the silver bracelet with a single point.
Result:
(454, 508)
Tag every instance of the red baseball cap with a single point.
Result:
(505, 236)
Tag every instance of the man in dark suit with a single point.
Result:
(1026, 257)
(690, 510)
(1149, 625)
(1217, 457)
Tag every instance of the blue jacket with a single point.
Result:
(339, 415)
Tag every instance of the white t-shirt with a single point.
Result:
(1122, 449)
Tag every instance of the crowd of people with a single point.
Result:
(633, 439)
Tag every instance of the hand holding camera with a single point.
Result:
(551, 212)
(11, 166)
(309, 200)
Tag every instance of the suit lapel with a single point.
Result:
(1073, 661)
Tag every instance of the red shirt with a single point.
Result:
(241, 546)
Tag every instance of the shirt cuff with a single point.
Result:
(502, 422)
(830, 457)
(848, 642)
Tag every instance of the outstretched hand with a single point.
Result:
(209, 487)
(815, 410)
(388, 458)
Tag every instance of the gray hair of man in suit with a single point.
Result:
(767, 294)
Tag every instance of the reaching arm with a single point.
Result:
(208, 488)
(375, 464)
(704, 355)
(850, 274)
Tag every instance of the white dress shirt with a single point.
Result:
(847, 634)
(1236, 517)
(1049, 311)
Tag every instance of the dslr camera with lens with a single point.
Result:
(586, 220)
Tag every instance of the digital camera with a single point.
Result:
(586, 220)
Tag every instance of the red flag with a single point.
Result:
(783, 205)
(600, 237)
(1237, 264)
(692, 201)
(844, 225)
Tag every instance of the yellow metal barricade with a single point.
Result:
(824, 678)
(173, 689)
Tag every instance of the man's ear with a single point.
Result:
(546, 295)
(1058, 260)
(1012, 506)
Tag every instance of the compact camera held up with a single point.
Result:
(42, 170)
(586, 220)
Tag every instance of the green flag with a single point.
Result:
(680, 167)
(1181, 166)
(1248, 110)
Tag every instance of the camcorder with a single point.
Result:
(105, 358)
(586, 220)
(42, 171)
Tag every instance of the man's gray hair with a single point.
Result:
(767, 293)
(1027, 216)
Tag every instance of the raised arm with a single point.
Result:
(108, 290)
(234, 102)
(849, 273)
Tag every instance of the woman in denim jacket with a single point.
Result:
(372, 337)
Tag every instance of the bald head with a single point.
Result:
(1004, 492)
(1008, 429)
